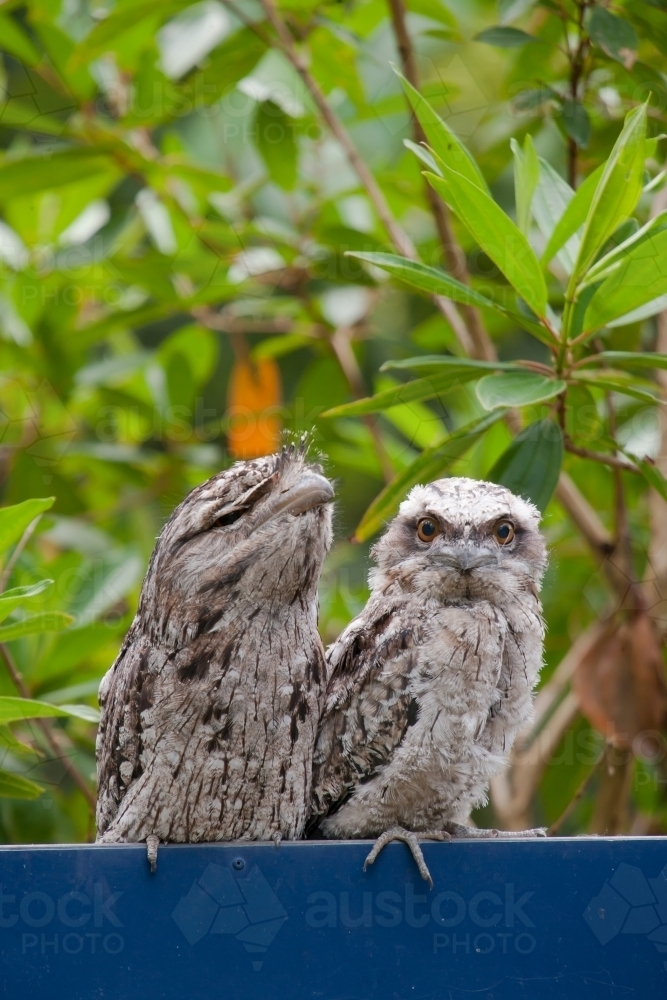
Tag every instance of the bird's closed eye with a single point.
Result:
(226, 519)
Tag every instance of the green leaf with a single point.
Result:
(14, 709)
(430, 465)
(45, 621)
(18, 595)
(15, 41)
(423, 154)
(15, 786)
(42, 171)
(14, 520)
(426, 279)
(611, 383)
(517, 389)
(24, 114)
(639, 280)
(419, 389)
(618, 189)
(613, 35)
(526, 178)
(629, 359)
(504, 37)
(574, 215)
(651, 474)
(530, 467)
(552, 196)
(123, 19)
(612, 259)
(496, 234)
(445, 144)
(277, 143)
(436, 364)
(576, 122)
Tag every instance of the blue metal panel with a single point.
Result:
(535, 920)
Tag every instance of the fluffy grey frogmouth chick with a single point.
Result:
(210, 711)
(429, 685)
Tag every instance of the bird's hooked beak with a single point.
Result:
(466, 557)
(312, 490)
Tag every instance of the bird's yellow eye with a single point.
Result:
(427, 529)
(503, 532)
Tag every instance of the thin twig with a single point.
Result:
(599, 456)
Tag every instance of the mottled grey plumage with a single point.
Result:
(209, 713)
(429, 685)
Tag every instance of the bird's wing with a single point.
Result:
(124, 693)
(368, 706)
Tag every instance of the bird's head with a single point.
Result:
(462, 539)
(252, 537)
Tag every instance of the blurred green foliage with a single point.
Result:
(173, 204)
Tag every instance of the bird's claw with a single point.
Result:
(152, 844)
(409, 838)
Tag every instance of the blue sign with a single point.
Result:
(540, 920)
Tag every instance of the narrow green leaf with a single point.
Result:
(629, 359)
(15, 41)
(423, 154)
(14, 520)
(45, 621)
(526, 178)
(436, 364)
(425, 278)
(16, 709)
(504, 37)
(609, 383)
(618, 189)
(517, 389)
(651, 474)
(616, 254)
(574, 215)
(431, 464)
(15, 786)
(552, 196)
(640, 278)
(24, 114)
(18, 595)
(530, 467)
(445, 144)
(496, 234)
(419, 389)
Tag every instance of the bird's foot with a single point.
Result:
(152, 844)
(409, 838)
(459, 831)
